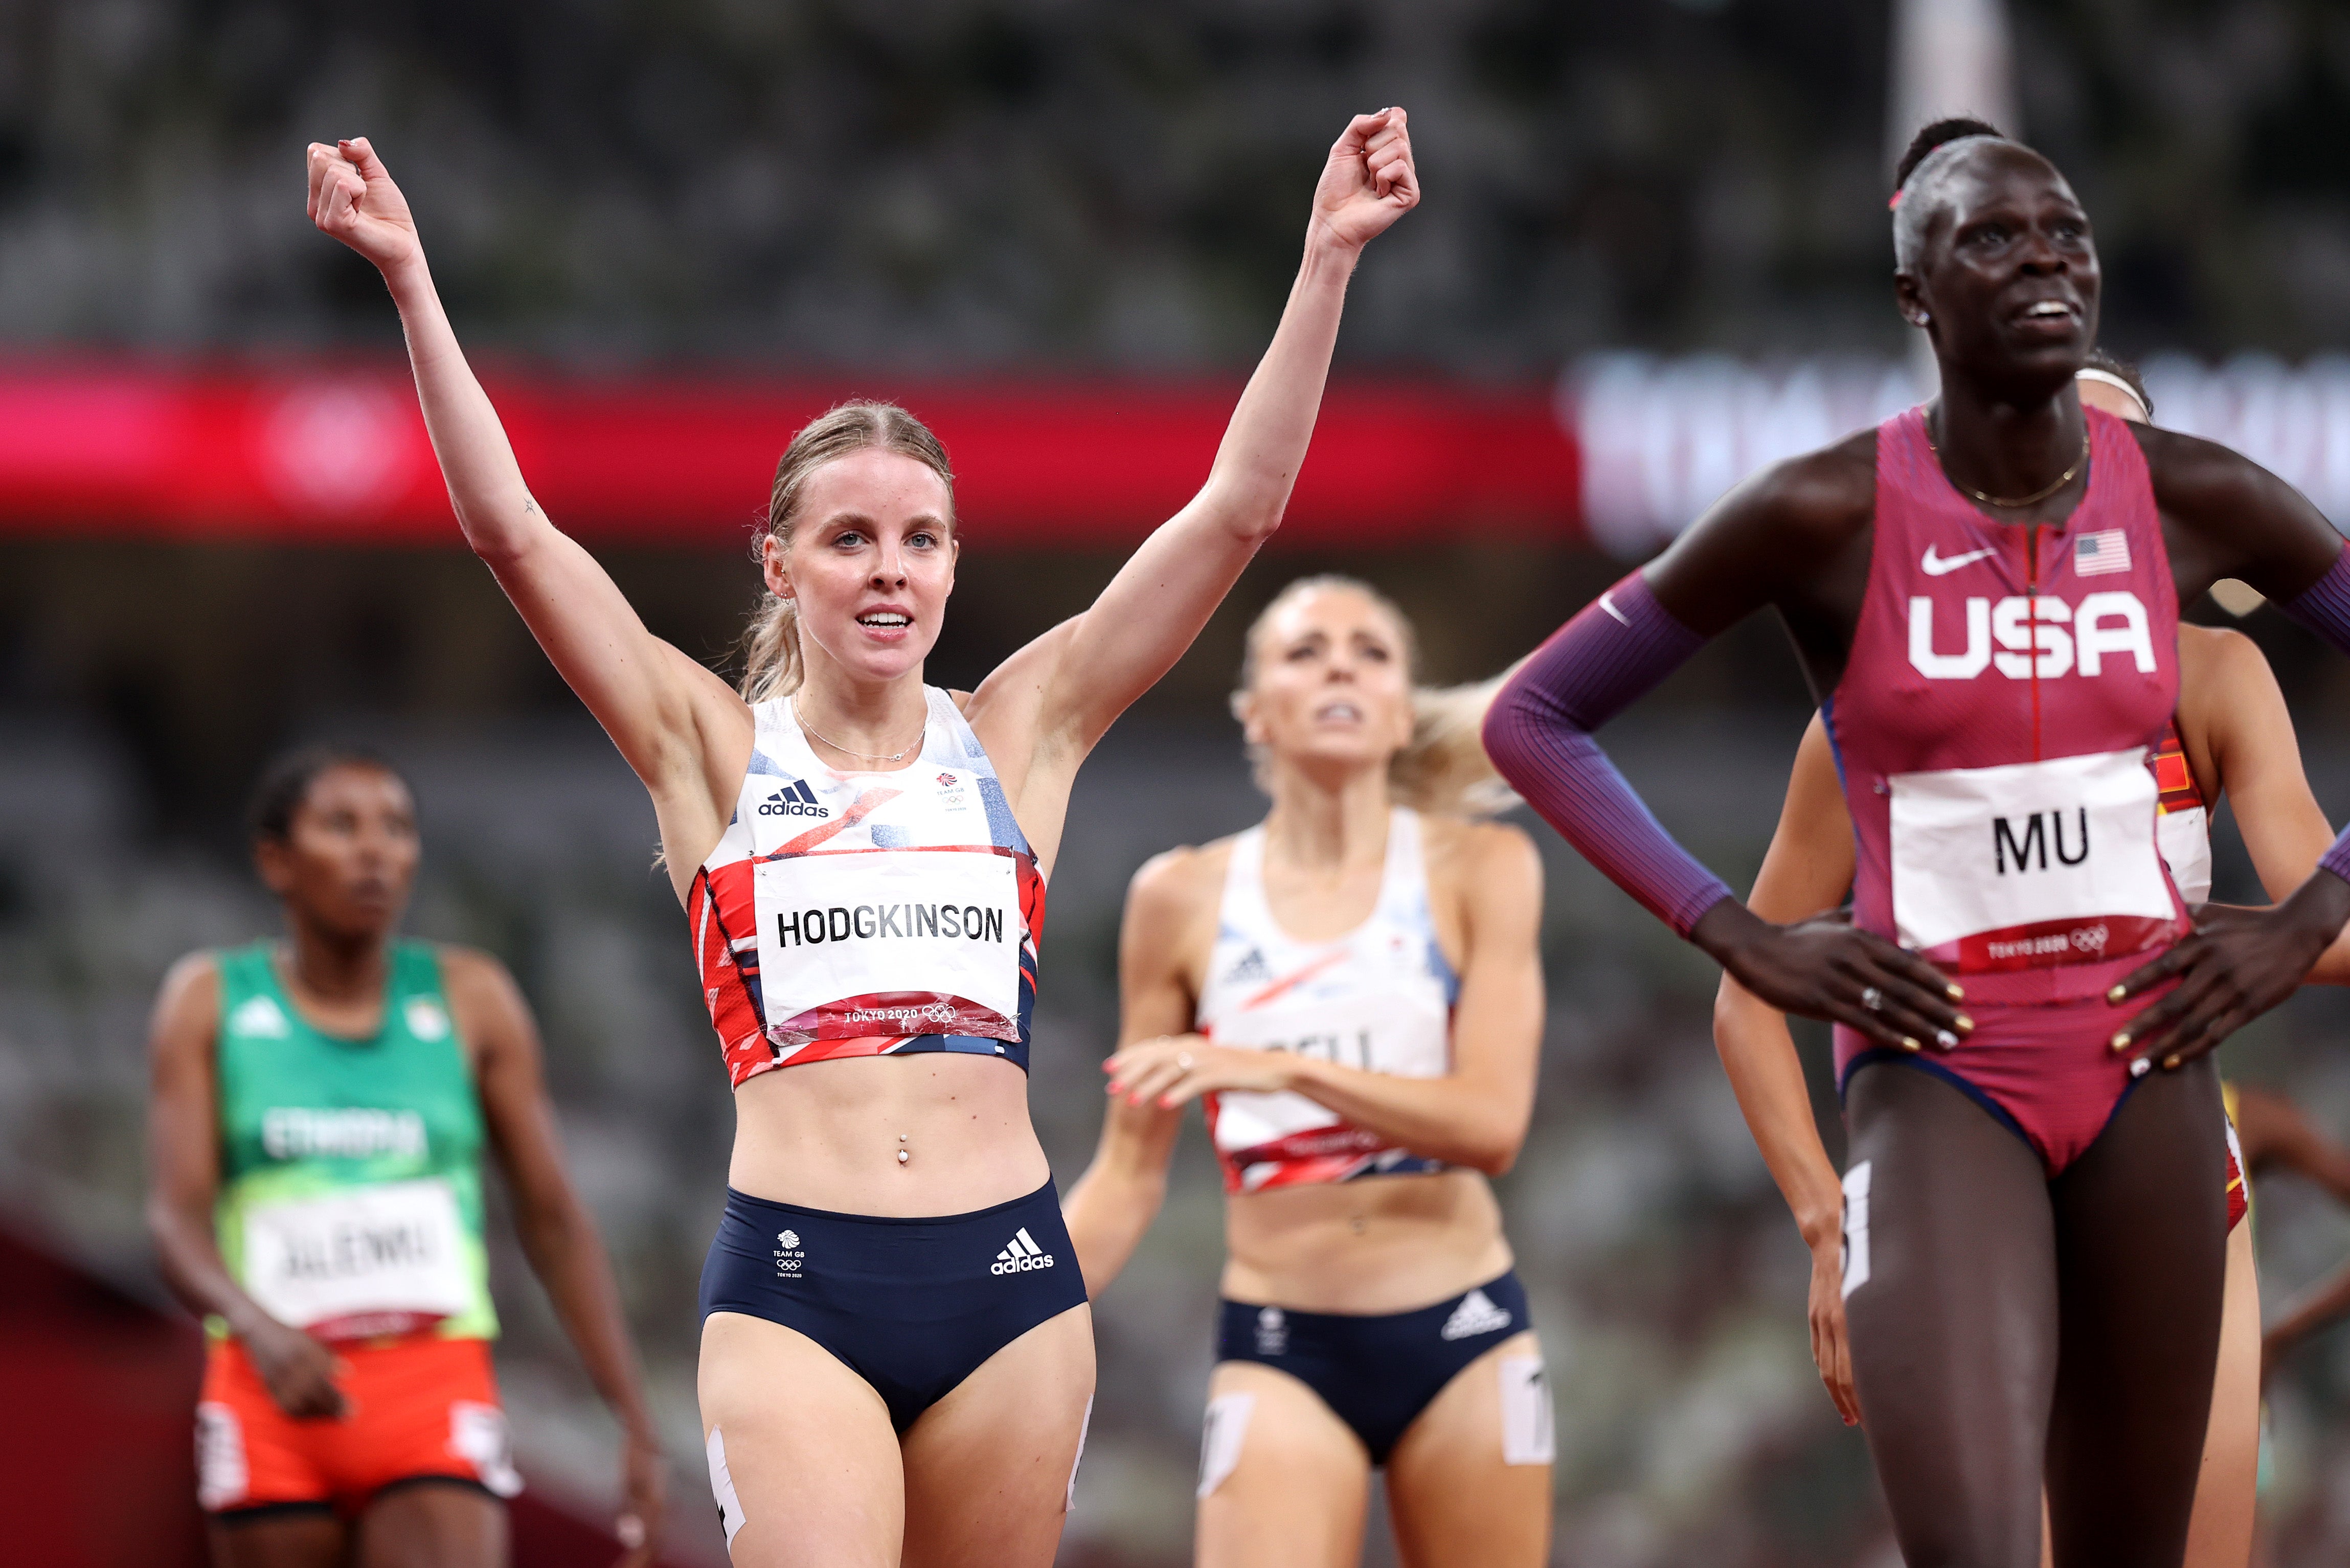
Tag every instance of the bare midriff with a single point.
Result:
(828, 1135)
(1376, 1244)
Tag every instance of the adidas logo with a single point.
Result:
(1251, 971)
(1476, 1314)
(795, 799)
(1020, 1256)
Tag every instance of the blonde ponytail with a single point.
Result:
(772, 666)
(1443, 771)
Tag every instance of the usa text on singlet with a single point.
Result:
(2006, 687)
(867, 914)
(1379, 998)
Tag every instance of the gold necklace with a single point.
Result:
(861, 757)
(2062, 479)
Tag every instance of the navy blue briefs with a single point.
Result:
(912, 1307)
(1376, 1372)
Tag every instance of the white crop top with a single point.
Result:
(868, 914)
(1378, 998)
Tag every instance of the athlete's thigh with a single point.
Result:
(431, 1524)
(300, 1538)
(1285, 1484)
(802, 1459)
(1469, 1483)
(2221, 1534)
(1951, 1301)
(2141, 1228)
(990, 1466)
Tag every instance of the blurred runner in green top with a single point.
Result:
(319, 1110)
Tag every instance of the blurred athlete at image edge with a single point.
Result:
(1353, 991)
(897, 1354)
(1984, 592)
(2231, 735)
(320, 1109)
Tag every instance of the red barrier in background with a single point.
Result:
(336, 452)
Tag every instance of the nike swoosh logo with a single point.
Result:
(1607, 603)
(1936, 565)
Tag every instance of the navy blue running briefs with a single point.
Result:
(1377, 1373)
(911, 1305)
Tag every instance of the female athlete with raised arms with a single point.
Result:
(897, 1361)
(1984, 592)
(1353, 988)
(317, 1123)
(2232, 736)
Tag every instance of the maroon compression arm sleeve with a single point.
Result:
(1538, 733)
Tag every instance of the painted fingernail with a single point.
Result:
(2170, 1063)
(1966, 1025)
(2121, 1041)
(1946, 1040)
(1954, 993)
(2138, 1067)
(2115, 994)
(1910, 1044)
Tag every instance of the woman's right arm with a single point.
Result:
(686, 734)
(1120, 1193)
(1774, 540)
(1806, 872)
(184, 1181)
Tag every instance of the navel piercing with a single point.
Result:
(903, 1156)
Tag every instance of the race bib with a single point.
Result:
(368, 1259)
(1353, 1032)
(2029, 865)
(894, 941)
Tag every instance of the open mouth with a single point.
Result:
(885, 620)
(2050, 312)
(1338, 713)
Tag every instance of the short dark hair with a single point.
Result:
(1918, 177)
(286, 783)
(1932, 136)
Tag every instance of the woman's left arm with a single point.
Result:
(2225, 515)
(1476, 1115)
(557, 1232)
(1078, 678)
(2258, 757)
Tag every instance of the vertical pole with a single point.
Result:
(1950, 56)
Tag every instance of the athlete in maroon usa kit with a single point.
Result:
(1984, 593)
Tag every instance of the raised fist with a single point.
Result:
(353, 199)
(1369, 182)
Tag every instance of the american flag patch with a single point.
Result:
(2095, 555)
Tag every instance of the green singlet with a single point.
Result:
(350, 1199)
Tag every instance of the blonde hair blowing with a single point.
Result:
(1444, 770)
(771, 648)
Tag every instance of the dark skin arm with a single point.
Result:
(556, 1231)
(184, 1181)
(1796, 538)
(2225, 516)
(2276, 1135)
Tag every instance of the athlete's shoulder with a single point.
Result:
(1182, 877)
(1825, 494)
(1833, 487)
(188, 1002)
(2194, 477)
(478, 985)
(2219, 648)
